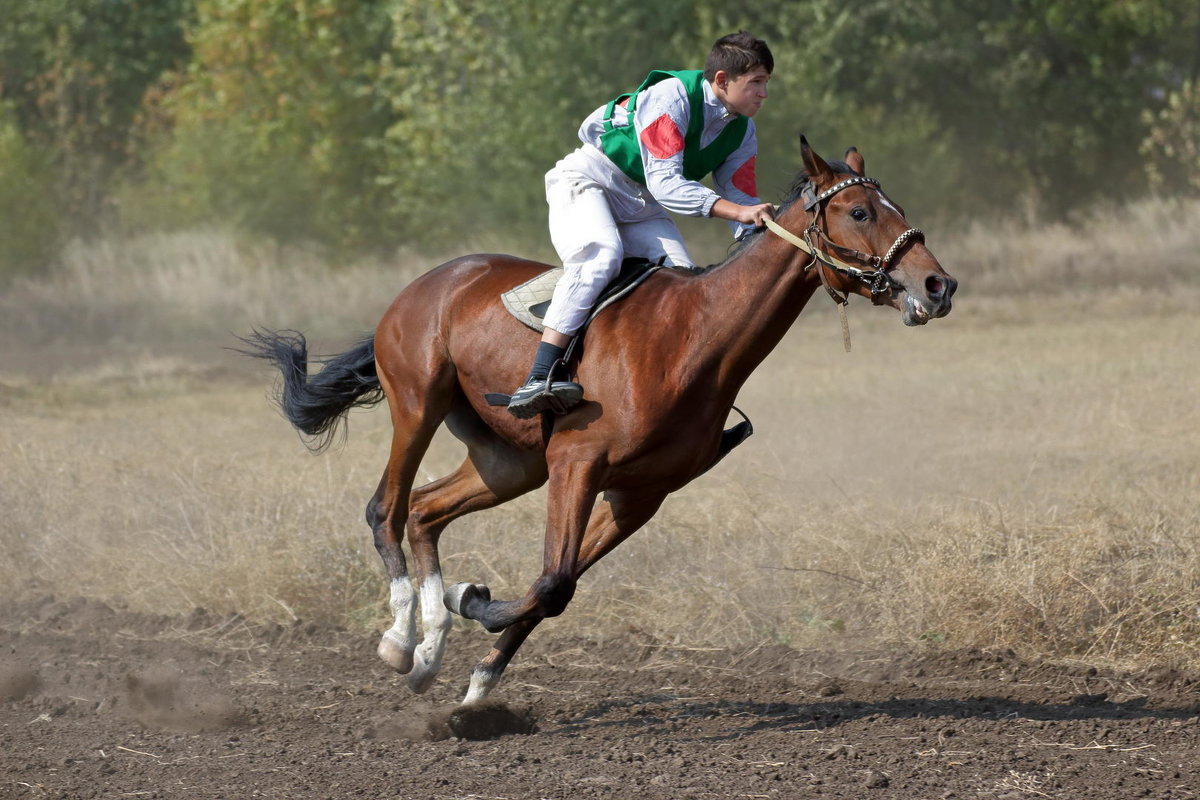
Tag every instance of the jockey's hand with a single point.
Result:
(756, 214)
(747, 215)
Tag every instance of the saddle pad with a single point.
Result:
(532, 294)
(530, 301)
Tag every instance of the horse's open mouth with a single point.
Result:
(915, 312)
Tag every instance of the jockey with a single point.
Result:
(643, 154)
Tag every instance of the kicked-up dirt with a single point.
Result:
(103, 703)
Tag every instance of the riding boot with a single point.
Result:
(540, 392)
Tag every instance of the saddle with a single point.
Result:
(530, 301)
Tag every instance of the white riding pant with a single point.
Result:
(598, 216)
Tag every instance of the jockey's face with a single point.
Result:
(744, 94)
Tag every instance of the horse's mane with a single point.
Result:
(801, 182)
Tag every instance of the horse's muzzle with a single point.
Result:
(936, 302)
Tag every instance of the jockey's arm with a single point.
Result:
(661, 117)
(747, 215)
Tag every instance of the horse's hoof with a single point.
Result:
(460, 595)
(394, 654)
(421, 677)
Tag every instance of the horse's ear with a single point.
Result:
(814, 165)
(855, 161)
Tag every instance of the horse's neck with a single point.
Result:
(756, 297)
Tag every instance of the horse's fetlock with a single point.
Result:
(553, 593)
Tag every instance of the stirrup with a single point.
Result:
(544, 395)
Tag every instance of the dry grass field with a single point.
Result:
(1023, 474)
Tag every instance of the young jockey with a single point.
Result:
(644, 154)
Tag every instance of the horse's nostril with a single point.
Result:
(935, 287)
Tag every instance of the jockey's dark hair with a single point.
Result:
(737, 54)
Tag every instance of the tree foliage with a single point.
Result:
(277, 121)
(29, 233)
(75, 74)
(369, 124)
(1000, 102)
(491, 95)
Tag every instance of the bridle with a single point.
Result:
(871, 270)
(834, 256)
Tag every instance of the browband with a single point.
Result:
(811, 199)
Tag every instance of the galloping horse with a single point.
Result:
(684, 344)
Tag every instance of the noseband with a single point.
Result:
(875, 275)
(868, 269)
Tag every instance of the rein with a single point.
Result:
(875, 276)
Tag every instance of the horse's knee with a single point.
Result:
(375, 514)
(424, 531)
(387, 544)
(380, 536)
(553, 593)
(421, 525)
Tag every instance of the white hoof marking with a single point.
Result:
(397, 644)
(395, 653)
(454, 596)
(422, 675)
(482, 683)
(436, 620)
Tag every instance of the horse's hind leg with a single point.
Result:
(493, 473)
(415, 417)
(397, 642)
(616, 517)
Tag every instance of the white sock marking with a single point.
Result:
(403, 603)
(436, 621)
(481, 684)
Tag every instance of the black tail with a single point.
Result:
(317, 405)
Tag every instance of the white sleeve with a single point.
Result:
(661, 122)
(735, 179)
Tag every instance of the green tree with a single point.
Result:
(1172, 143)
(488, 96)
(998, 101)
(29, 231)
(276, 122)
(75, 73)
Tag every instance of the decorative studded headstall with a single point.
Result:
(875, 275)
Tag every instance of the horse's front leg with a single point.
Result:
(487, 673)
(614, 519)
(572, 494)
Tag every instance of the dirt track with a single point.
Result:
(100, 703)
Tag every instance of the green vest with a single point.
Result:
(621, 146)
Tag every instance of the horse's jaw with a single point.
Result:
(913, 312)
(931, 299)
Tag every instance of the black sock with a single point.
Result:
(546, 355)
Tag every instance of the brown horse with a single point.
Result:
(662, 369)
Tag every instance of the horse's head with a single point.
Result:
(864, 244)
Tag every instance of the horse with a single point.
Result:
(446, 341)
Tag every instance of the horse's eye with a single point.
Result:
(859, 214)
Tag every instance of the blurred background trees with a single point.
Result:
(366, 125)
(73, 75)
